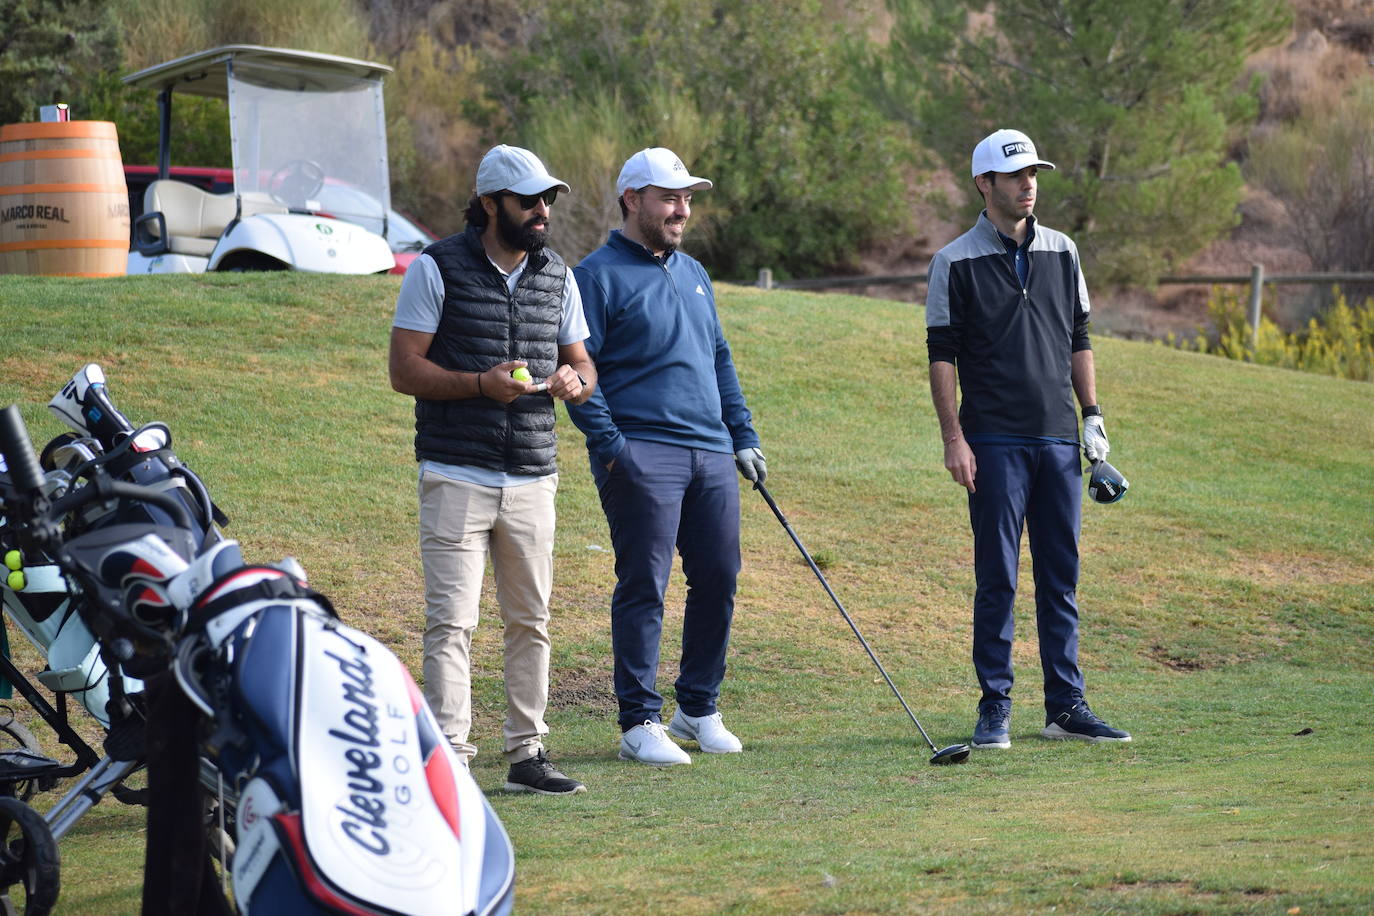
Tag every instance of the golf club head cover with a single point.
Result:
(84, 404)
(1105, 483)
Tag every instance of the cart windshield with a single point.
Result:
(309, 140)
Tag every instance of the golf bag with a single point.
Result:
(252, 683)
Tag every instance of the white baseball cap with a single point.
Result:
(510, 168)
(658, 167)
(1006, 151)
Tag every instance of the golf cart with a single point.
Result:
(311, 185)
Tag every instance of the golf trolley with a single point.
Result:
(38, 601)
(229, 682)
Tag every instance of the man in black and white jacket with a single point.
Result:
(1007, 327)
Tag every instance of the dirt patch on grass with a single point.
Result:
(1285, 568)
(1168, 659)
(1188, 889)
(586, 689)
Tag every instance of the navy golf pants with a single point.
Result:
(1036, 487)
(657, 499)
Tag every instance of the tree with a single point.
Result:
(1135, 103)
(46, 48)
(807, 172)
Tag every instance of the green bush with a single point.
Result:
(47, 51)
(1339, 341)
(806, 171)
(153, 31)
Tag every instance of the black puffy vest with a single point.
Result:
(481, 325)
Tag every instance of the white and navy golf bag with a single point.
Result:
(349, 798)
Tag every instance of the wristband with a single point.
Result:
(479, 386)
(1092, 411)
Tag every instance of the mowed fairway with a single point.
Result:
(1227, 603)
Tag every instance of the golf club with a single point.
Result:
(955, 753)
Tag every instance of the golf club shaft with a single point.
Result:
(768, 497)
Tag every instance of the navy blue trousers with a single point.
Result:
(1035, 486)
(657, 499)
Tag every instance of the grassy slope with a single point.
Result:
(1227, 606)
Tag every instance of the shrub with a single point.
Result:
(806, 172)
(1339, 341)
(435, 101)
(1322, 168)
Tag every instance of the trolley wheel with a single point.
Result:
(28, 856)
(13, 734)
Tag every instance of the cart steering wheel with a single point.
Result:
(296, 182)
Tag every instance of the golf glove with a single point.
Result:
(1095, 445)
(751, 464)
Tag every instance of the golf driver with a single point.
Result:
(955, 753)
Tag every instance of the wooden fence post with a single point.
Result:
(1256, 294)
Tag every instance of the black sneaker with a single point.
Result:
(993, 728)
(1081, 723)
(538, 774)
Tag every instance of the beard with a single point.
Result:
(521, 236)
(655, 232)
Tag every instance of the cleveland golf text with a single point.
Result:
(365, 815)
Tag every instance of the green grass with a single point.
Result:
(1228, 606)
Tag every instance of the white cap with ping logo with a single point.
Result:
(1006, 151)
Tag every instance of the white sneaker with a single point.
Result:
(707, 731)
(649, 743)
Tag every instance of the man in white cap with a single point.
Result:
(488, 331)
(1007, 327)
(666, 429)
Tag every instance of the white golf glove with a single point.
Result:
(751, 464)
(1095, 445)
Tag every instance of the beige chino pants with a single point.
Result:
(460, 525)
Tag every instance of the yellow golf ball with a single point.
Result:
(15, 580)
(521, 375)
(13, 560)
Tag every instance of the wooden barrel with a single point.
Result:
(64, 207)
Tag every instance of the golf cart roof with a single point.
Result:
(205, 73)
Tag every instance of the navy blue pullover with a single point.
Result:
(664, 370)
(1011, 342)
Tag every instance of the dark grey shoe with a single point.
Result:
(994, 727)
(538, 774)
(1080, 723)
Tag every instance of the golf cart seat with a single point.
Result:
(192, 219)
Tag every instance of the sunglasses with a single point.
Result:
(529, 201)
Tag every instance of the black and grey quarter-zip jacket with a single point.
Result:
(1012, 345)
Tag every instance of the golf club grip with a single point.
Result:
(17, 448)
